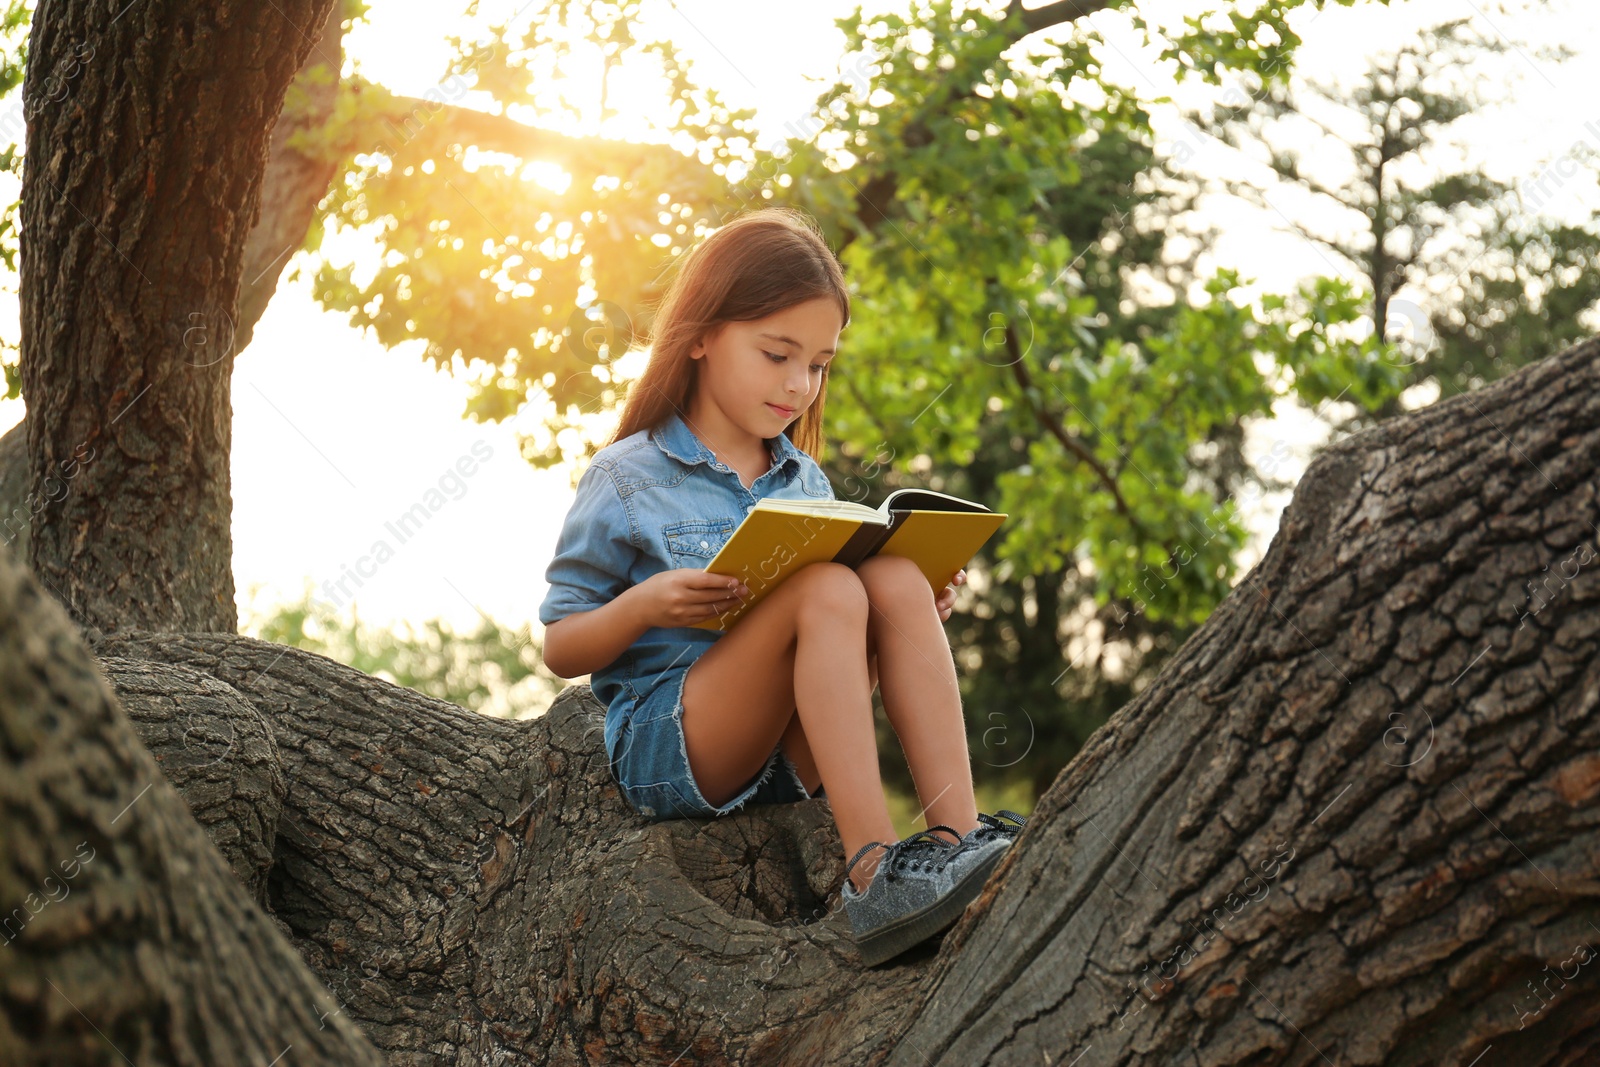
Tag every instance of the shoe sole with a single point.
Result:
(911, 930)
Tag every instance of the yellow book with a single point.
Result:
(778, 537)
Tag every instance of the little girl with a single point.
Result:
(698, 722)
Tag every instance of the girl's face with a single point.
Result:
(762, 374)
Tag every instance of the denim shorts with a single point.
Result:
(651, 766)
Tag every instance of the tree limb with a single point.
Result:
(1054, 14)
(389, 123)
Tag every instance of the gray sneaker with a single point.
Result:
(922, 885)
(979, 852)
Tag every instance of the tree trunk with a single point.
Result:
(139, 190)
(1352, 822)
(293, 185)
(1354, 819)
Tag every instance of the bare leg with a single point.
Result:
(920, 692)
(798, 749)
(902, 615)
(799, 654)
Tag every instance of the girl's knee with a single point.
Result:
(893, 577)
(829, 575)
(831, 590)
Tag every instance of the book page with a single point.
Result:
(820, 507)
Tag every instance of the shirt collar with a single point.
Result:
(675, 438)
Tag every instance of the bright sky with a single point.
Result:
(335, 437)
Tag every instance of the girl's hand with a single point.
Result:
(947, 599)
(685, 596)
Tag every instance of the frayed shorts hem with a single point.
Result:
(652, 764)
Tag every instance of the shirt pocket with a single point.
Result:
(693, 542)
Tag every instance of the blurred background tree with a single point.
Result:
(1470, 279)
(493, 669)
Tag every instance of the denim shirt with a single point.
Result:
(657, 500)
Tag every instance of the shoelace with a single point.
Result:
(915, 851)
(992, 824)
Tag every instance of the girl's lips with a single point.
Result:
(786, 412)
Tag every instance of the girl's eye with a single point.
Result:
(816, 367)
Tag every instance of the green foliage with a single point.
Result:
(966, 318)
(1227, 39)
(970, 189)
(1531, 289)
(14, 21)
(492, 669)
(1145, 410)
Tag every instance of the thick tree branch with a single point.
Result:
(476, 890)
(390, 123)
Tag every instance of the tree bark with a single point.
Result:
(126, 938)
(295, 180)
(129, 307)
(1352, 822)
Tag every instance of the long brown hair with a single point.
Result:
(756, 265)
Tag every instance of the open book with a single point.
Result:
(778, 537)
